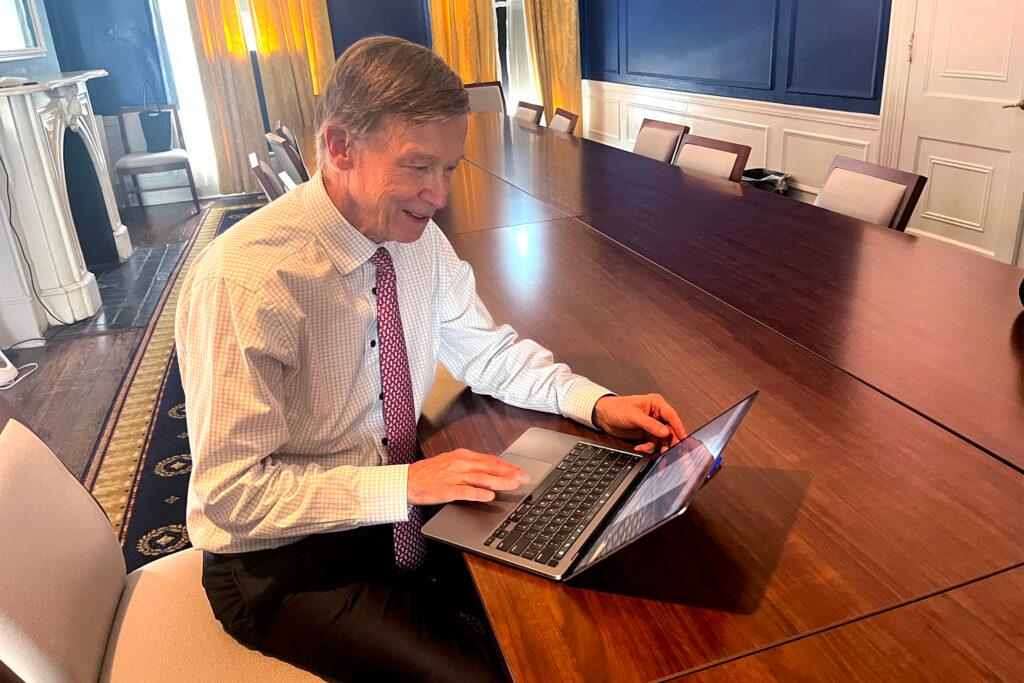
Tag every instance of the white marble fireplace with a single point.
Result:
(34, 120)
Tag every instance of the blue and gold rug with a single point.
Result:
(140, 467)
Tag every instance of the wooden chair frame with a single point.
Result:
(491, 84)
(538, 110)
(742, 152)
(133, 173)
(573, 118)
(665, 125)
(279, 142)
(289, 135)
(912, 182)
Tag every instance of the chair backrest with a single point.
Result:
(271, 184)
(289, 135)
(61, 567)
(527, 111)
(564, 121)
(288, 157)
(132, 137)
(712, 157)
(872, 193)
(659, 139)
(486, 96)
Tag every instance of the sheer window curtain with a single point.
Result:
(521, 85)
(195, 125)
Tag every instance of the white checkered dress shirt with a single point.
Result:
(276, 335)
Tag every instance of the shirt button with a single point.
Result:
(384, 441)
(374, 290)
(373, 342)
(381, 397)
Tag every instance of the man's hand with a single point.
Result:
(461, 475)
(640, 417)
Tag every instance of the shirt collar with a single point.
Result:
(345, 245)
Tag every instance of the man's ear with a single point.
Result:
(339, 147)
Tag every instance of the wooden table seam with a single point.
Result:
(836, 625)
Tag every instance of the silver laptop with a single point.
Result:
(587, 501)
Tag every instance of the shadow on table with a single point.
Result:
(709, 558)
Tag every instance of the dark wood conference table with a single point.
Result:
(837, 505)
(933, 326)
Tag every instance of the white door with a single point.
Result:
(968, 62)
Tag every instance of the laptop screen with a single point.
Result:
(668, 485)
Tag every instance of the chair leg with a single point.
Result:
(192, 186)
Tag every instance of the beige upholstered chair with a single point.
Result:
(288, 158)
(531, 113)
(712, 157)
(289, 135)
(486, 96)
(564, 121)
(137, 160)
(870, 192)
(67, 610)
(659, 139)
(273, 186)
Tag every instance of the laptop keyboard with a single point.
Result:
(549, 520)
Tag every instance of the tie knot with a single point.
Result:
(382, 259)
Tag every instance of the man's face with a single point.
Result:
(399, 176)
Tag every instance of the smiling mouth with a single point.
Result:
(417, 216)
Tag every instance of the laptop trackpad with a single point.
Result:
(467, 523)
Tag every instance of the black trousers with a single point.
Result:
(334, 605)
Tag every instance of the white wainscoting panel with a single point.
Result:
(798, 140)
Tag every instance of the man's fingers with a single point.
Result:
(470, 461)
(654, 427)
(487, 481)
(462, 492)
(668, 413)
(644, 447)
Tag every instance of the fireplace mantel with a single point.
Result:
(33, 122)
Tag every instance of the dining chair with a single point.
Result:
(289, 135)
(659, 139)
(271, 184)
(138, 160)
(532, 113)
(872, 193)
(564, 121)
(712, 157)
(288, 158)
(486, 96)
(69, 611)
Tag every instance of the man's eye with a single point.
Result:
(420, 169)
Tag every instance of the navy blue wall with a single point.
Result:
(816, 53)
(116, 35)
(40, 66)
(355, 19)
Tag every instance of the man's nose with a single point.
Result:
(435, 192)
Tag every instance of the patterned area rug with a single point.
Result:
(140, 467)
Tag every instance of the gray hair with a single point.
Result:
(384, 76)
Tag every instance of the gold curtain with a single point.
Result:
(553, 30)
(464, 36)
(296, 54)
(229, 88)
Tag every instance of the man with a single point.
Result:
(308, 337)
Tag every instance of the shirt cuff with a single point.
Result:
(384, 492)
(579, 402)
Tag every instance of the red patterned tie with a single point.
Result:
(399, 410)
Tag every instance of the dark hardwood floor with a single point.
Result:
(81, 366)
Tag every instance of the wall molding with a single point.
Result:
(614, 110)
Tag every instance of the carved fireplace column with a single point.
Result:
(33, 122)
